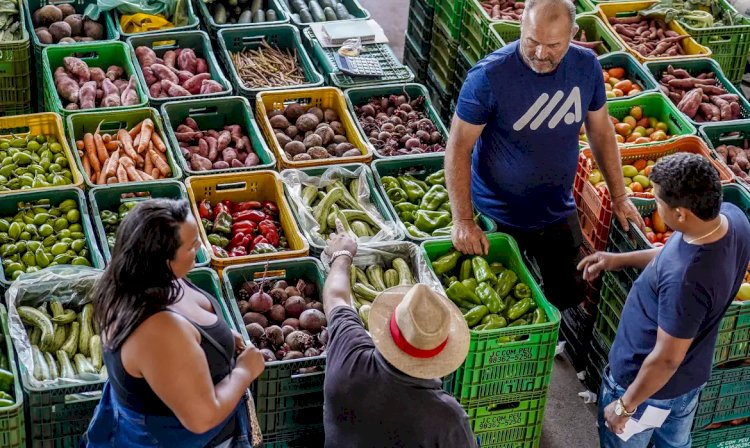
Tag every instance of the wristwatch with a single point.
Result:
(339, 253)
(621, 410)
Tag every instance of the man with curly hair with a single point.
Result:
(663, 351)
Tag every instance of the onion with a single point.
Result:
(388, 127)
(405, 107)
(400, 100)
(412, 143)
(312, 320)
(260, 302)
(294, 305)
(384, 136)
(423, 136)
(367, 110)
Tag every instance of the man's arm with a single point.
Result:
(336, 291)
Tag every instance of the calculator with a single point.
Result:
(359, 66)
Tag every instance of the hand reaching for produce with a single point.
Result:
(596, 263)
(342, 240)
(468, 238)
(625, 211)
(239, 343)
(251, 361)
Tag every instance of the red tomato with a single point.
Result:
(647, 221)
(651, 237)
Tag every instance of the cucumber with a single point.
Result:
(35, 317)
(83, 365)
(53, 373)
(87, 330)
(245, 17)
(316, 11)
(327, 3)
(271, 16)
(35, 336)
(329, 14)
(256, 6)
(96, 352)
(70, 347)
(66, 368)
(305, 16)
(298, 6)
(259, 16)
(341, 12)
(220, 14)
(56, 308)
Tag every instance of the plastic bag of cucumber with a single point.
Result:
(52, 327)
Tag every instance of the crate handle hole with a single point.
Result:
(253, 40)
(232, 186)
(720, 40)
(730, 136)
(297, 375)
(88, 55)
(503, 406)
(137, 197)
(163, 44)
(83, 397)
(111, 126)
(203, 110)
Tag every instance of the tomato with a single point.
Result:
(647, 221)
(616, 72)
(636, 187)
(651, 237)
(659, 224)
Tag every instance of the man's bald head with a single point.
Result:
(550, 10)
(547, 27)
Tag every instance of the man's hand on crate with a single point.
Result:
(625, 211)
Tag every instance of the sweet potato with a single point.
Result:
(97, 75)
(172, 89)
(682, 83)
(690, 102)
(192, 124)
(200, 163)
(193, 85)
(87, 95)
(146, 56)
(155, 90)
(170, 58)
(213, 147)
(187, 60)
(163, 72)
(111, 94)
(201, 66)
(712, 90)
(77, 68)
(115, 72)
(149, 76)
(129, 96)
(67, 87)
(225, 137)
(211, 86)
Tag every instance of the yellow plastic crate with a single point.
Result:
(46, 123)
(612, 9)
(256, 186)
(322, 97)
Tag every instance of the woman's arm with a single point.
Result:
(177, 371)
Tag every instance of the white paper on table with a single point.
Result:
(652, 417)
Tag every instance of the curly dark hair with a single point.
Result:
(689, 181)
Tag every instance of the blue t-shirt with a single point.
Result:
(685, 291)
(525, 161)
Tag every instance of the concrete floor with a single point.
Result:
(568, 422)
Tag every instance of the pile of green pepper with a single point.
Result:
(112, 220)
(489, 295)
(422, 205)
(6, 379)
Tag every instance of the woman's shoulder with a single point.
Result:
(163, 326)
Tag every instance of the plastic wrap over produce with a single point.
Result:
(316, 198)
(50, 363)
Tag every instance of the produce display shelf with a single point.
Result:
(192, 23)
(12, 424)
(634, 71)
(213, 28)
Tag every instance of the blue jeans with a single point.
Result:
(674, 433)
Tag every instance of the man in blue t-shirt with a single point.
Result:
(520, 112)
(663, 351)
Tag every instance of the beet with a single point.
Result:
(292, 291)
(260, 302)
(293, 355)
(274, 335)
(299, 341)
(243, 306)
(294, 305)
(316, 305)
(312, 351)
(312, 320)
(252, 317)
(268, 355)
(248, 289)
(255, 331)
(286, 330)
(291, 322)
(281, 352)
(278, 295)
(277, 313)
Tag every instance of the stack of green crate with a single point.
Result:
(418, 38)
(504, 381)
(446, 32)
(15, 71)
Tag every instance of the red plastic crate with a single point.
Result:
(594, 207)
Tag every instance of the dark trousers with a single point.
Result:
(553, 253)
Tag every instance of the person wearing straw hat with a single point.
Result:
(383, 389)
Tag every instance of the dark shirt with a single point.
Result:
(685, 291)
(368, 403)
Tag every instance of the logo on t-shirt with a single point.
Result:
(544, 106)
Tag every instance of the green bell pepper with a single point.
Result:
(6, 381)
(446, 263)
(397, 195)
(479, 327)
(519, 309)
(522, 291)
(446, 207)
(223, 222)
(429, 221)
(434, 198)
(389, 183)
(436, 178)
(471, 283)
(493, 322)
(540, 316)
(509, 301)
(406, 211)
(496, 267)
(482, 270)
(444, 231)
(415, 232)
(413, 190)
(518, 323)
(446, 281)
(466, 271)
(475, 315)
(461, 295)
(505, 282)
(208, 226)
(489, 297)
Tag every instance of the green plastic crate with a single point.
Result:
(393, 69)
(443, 54)
(419, 26)
(450, 13)
(9, 207)
(724, 437)
(696, 66)
(193, 23)
(362, 95)
(15, 71)
(717, 134)
(612, 298)
(12, 426)
(463, 65)
(353, 6)
(215, 113)
(163, 42)
(605, 328)
(495, 371)
(634, 71)
(494, 41)
(213, 28)
(517, 424)
(94, 54)
(286, 401)
(284, 37)
(724, 398)
(109, 197)
(441, 95)
(79, 124)
(375, 198)
(420, 166)
(475, 26)
(415, 60)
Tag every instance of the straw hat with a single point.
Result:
(419, 331)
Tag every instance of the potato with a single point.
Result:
(294, 111)
(67, 40)
(279, 122)
(283, 139)
(318, 152)
(67, 9)
(326, 134)
(317, 112)
(291, 131)
(354, 152)
(302, 157)
(337, 127)
(58, 30)
(313, 140)
(330, 115)
(47, 15)
(294, 148)
(44, 36)
(93, 29)
(76, 24)
(307, 122)
(340, 139)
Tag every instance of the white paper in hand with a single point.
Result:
(652, 417)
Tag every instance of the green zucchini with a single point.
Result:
(271, 16)
(361, 229)
(35, 336)
(220, 14)
(83, 365)
(59, 337)
(246, 16)
(362, 277)
(87, 330)
(56, 308)
(316, 11)
(365, 292)
(70, 346)
(404, 273)
(309, 194)
(375, 275)
(53, 373)
(68, 316)
(259, 16)
(390, 278)
(329, 14)
(66, 368)
(321, 211)
(256, 6)
(96, 352)
(298, 6)
(341, 12)
(35, 317)
(305, 16)
(41, 369)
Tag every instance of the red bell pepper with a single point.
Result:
(270, 231)
(221, 207)
(229, 205)
(249, 215)
(204, 210)
(236, 240)
(238, 251)
(265, 225)
(219, 252)
(246, 227)
(270, 208)
(259, 239)
(247, 205)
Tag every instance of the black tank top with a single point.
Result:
(135, 393)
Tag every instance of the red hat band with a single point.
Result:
(409, 349)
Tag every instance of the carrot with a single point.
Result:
(101, 179)
(136, 142)
(160, 164)
(127, 143)
(132, 174)
(86, 166)
(139, 161)
(148, 165)
(127, 162)
(112, 146)
(145, 176)
(114, 161)
(101, 151)
(90, 147)
(158, 142)
(122, 174)
(146, 131)
(111, 180)
(106, 138)
(156, 174)
(136, 130)
(79, 145)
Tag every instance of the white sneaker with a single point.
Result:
(560, 348)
